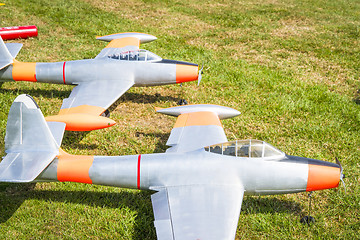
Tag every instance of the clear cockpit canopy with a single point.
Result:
(250, 148)
(136, 55)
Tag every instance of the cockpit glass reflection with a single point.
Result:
(246, 148)
(137, 55)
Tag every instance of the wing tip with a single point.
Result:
(157, 109)
(27, 100)
(221, 111)
(143, 37)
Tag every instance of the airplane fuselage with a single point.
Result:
(78, 71)
(152, 171)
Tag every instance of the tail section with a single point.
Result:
(8, 52)
(197, 126)
(30, 143)
(5, 56)
(220, 111)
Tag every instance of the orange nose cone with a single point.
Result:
(186, 73)
(322, 177)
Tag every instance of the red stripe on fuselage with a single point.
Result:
(64, 73)
(138, 172)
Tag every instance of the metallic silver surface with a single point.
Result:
(29, 144)
(50, 72)
(222, 112)
(96, 93)
(197, 211)
(144, 38)
(50, 172)
(115, 171)
(185, 139)
(14, 48)
(6, 74)
(5, 56)
(57, 130)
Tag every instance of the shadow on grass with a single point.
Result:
(12, 195)
(51, 93)
(357, 97)
(72, 140)
(254, 204)
(127, 97)
(138, 201)
(162, 138)
(141, 98)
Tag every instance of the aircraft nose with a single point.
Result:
(323, 176)
(186, 73)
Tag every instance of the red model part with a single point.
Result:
(8, 33)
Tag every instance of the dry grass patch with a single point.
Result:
(155, 16)
(294, 28)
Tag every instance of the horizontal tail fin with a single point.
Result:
(29, 142)
(14, 48)
(222, 112)
(143, 37)
(197, 126)
(5, 56)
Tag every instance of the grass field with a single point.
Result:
(290, 67)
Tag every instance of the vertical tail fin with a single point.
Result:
(5, 56)
(29, 142)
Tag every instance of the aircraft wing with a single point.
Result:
(197, 126)
(94, 97)
(123, 42)
(197, 211)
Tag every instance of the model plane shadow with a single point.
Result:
(160, 146)
(13, 195)
(253, 204)
(48, 93)
(357, 97)
(61, 94)
(72, 140)
(143, 98)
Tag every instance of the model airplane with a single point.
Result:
(199, 182)
(99, 81)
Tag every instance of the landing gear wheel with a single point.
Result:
(307, 220)
(182, 102)
(106, 114)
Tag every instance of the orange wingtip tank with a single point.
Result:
(82, 122)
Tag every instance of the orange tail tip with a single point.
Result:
(82, 122)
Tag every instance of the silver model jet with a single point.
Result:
(99, 81)
(199, 182)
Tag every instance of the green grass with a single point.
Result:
(291, 68)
